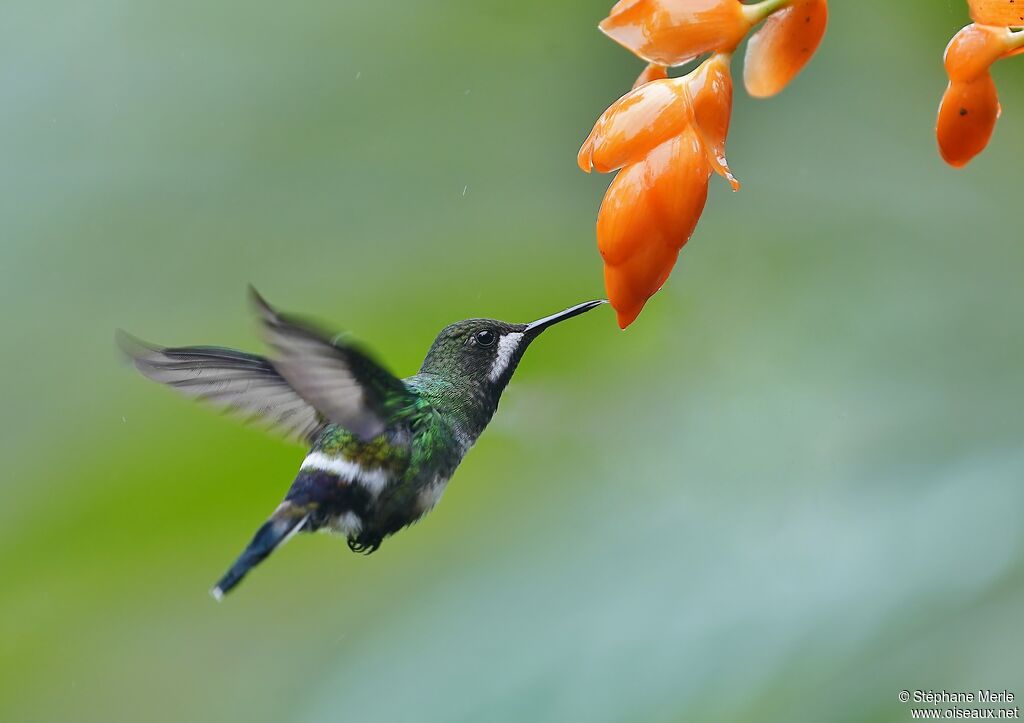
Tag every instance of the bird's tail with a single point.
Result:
(285, 522)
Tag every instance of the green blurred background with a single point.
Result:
(791, 490)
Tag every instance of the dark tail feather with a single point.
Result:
(282, 525)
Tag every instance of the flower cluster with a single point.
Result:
(667, 136)
(970, 105)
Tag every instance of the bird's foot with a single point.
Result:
(363, 547)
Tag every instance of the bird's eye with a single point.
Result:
(486, 337)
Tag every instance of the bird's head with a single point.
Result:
(485, 352)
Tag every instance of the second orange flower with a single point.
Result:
(970, 105)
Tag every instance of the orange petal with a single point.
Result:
(657, 200)
(648, 214)
(973, 50)
(624, 223)
(967, 116)
(635, 124)
(673, 32)
(1007, 13)
(653, 71)
(585, 156)
(781, 48)
(711, 91)
(676, 189)
(627, 285)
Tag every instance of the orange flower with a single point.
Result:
(970, 105)
(1005, 13)
(647, 216)
(649, 115)
(667, 136)
(673, 32)
(779, 50)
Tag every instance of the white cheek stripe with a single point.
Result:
(507, 345)
(374, 480)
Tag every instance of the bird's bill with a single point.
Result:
(541, 324)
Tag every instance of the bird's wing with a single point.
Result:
(235, 381)
(341, 381)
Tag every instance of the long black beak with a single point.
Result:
(542, 324)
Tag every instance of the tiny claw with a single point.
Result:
(363, 548)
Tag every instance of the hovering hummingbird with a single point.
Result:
(382, 448)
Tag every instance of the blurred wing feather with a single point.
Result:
(340, 380)
(244, 384)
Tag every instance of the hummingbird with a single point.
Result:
(382, 449)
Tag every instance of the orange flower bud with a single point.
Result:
(646, 117)
(778, 51)
(967, 117)
(635, 124)
(1006, 13)
(673, 32)
(653, 71)
(648, 214)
